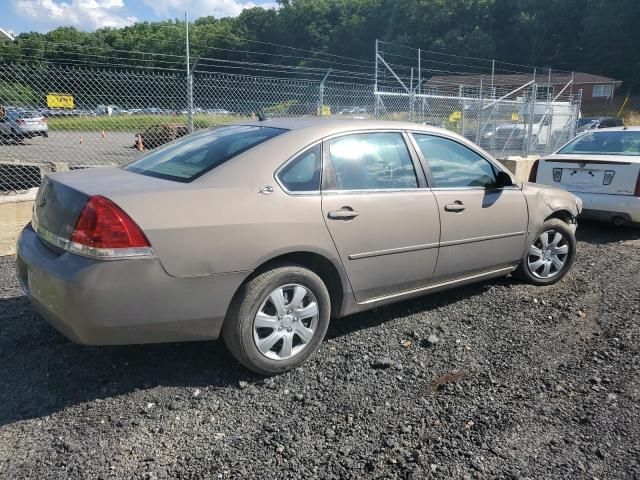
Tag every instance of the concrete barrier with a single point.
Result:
(15, 213)
(520, 166)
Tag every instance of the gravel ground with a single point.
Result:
(496, 380)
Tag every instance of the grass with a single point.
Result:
(632, 119)
(134, 122)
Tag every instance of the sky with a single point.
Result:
(19, 16)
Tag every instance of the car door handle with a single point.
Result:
(343, 214)
(455, 207)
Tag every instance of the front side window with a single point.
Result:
(605, 143)
(190, 157)
(453, 165)
(302, 174)
(372, 161)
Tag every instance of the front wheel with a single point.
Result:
(550, 256)
(278, 319)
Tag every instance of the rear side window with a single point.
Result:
(302, 174)
(453, 165)
(190, 157)
(372, 161)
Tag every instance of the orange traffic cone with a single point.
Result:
(139, 144)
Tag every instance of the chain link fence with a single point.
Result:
(58, 118)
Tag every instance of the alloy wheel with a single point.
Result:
(548, 254)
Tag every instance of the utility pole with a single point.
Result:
(189, 79)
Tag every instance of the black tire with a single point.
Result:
(238, 331)
(45, 134)
(525, 274)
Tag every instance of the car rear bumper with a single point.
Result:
(32, 129)
(117, 302)
(607, 207)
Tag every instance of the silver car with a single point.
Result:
(18, 124)
(262, 232)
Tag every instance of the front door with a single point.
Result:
(382, 218)
(482, 227)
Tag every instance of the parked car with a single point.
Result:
(260, 232)
(602, 167)
(20, 124)
(590, 123)
(548, 123)
(156, 135)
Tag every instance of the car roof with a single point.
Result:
(323, 126)
(616, 129)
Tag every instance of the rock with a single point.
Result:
(432, 339)
(382, 363)
(243, 384)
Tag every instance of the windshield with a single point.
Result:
(622, 142)
(192, 156)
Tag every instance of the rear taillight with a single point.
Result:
(104, 230)
(637, 192)
(608, 177)
(557, 174)
(533, 174)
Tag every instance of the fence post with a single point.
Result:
(532, 110)
(479, 117)
(189, 79)
(411, 97)
(321, 94)
(375, 85)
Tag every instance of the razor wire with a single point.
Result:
(57, 117)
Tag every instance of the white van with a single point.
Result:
(602, 167)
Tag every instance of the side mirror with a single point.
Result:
(503, 180)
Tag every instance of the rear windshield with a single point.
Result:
(605, 143)
(194, 155)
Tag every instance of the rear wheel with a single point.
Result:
(278, 319)
(550, 256)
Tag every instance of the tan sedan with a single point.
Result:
(262, 232)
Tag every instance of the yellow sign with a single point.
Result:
(455, 116)
(324, 111)
(515, 117)
(58, 100)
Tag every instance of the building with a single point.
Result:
(598, 92)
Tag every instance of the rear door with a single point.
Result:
(482, 227)
(382, 217)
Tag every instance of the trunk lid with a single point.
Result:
(63, 195)
(607, 174)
